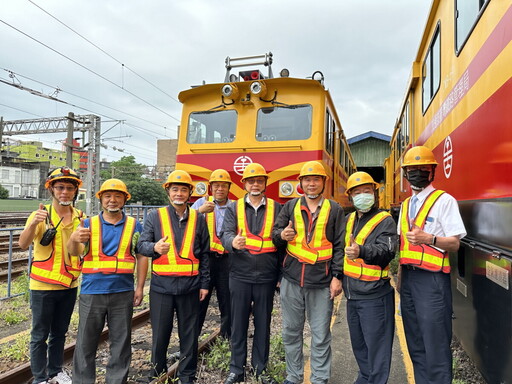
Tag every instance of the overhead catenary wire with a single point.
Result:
(103, 51)
(88, 69)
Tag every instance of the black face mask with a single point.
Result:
(418, 178)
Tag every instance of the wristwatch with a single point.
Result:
(339, 276)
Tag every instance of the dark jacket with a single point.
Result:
(379, 249)
(243, 265)
(318, 275)
(177, 285)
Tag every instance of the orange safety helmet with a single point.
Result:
(63, 174)
(114, 185)
(220, 175)
(359, 178)
(312, 168)
(179, 177)
(419, 155)
(254, 170)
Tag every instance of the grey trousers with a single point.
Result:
(297, 303)
(117, 310)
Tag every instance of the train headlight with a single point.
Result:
(230, 91)
(286, 188)
(200, 188)
(258, 88)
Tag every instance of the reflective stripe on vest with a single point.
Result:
(182, 263)
(319, 248)
(357, 268)
(215, 243)
(422, 256)
(60, 268)
(95, 261)
(261, 243)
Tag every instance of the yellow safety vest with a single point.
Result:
(357, 268)
(319, 248)
(262, 242)
(215, 243)
(422, 256)
(182, 262)
(123, 261)
(60, 268)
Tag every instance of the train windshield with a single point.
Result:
(291, 122)
(211, 127)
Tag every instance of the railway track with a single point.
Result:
(8, 219)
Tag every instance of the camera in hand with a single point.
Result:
(49, 235)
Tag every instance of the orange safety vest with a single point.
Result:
(319, 248)
(123, 261)
(56, 269)
(422, 256)
(215, 243)
(182, 262)
(261, 243)
(357, 268)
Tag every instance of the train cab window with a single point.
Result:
(291, 122)
(211, 127)
(432, 70)
(466, 16)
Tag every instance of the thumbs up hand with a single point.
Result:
(162, 247)
(352, 250)
(239, 240)
(41, 215)
(82, 234)
(417, 236)
(288, 233)
(207, 207)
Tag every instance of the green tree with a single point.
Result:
(142, 189)
(4, 194)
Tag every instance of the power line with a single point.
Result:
(88, 69)
(102, 50)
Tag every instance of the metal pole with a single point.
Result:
(1, 133)
(69, 140)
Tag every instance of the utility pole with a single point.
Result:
(69, 140)
(1, 134)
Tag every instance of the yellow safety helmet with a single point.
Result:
(114, 185)
(220, 175)
(419, 155)
(312, 168)
(179, 177)
(254, 170)
(359, 178)
(63, 174)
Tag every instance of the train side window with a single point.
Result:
(329, 133)
(432, 70)
(211, 127)
(466, 16)
(284, 123)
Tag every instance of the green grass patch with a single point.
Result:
(16, 350)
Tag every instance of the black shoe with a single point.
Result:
(174, 357)
(234, 378)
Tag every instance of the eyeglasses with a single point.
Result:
(61, 188)
(255, 181)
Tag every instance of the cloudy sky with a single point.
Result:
(128, 60)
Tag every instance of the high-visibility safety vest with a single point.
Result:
(422, 256)
(123, 261)
(215, 243)
(262, 242)
(182, 262)
(60, 268)
(357, 268)
(318, 249)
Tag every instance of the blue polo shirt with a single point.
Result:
(101, 283)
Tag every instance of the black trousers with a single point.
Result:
(219, 279)
(162, 309)
(247, 298)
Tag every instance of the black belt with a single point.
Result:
(411, 267)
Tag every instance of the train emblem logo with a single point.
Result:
(448, 157)
(240, 163)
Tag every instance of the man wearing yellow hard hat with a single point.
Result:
(53, 274)
(311, 229)
(108, 243)
(254, 268)
(214, 208)
(430, 226)
(370, 245)
(177, 240)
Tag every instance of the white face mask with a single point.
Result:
(364, 201)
